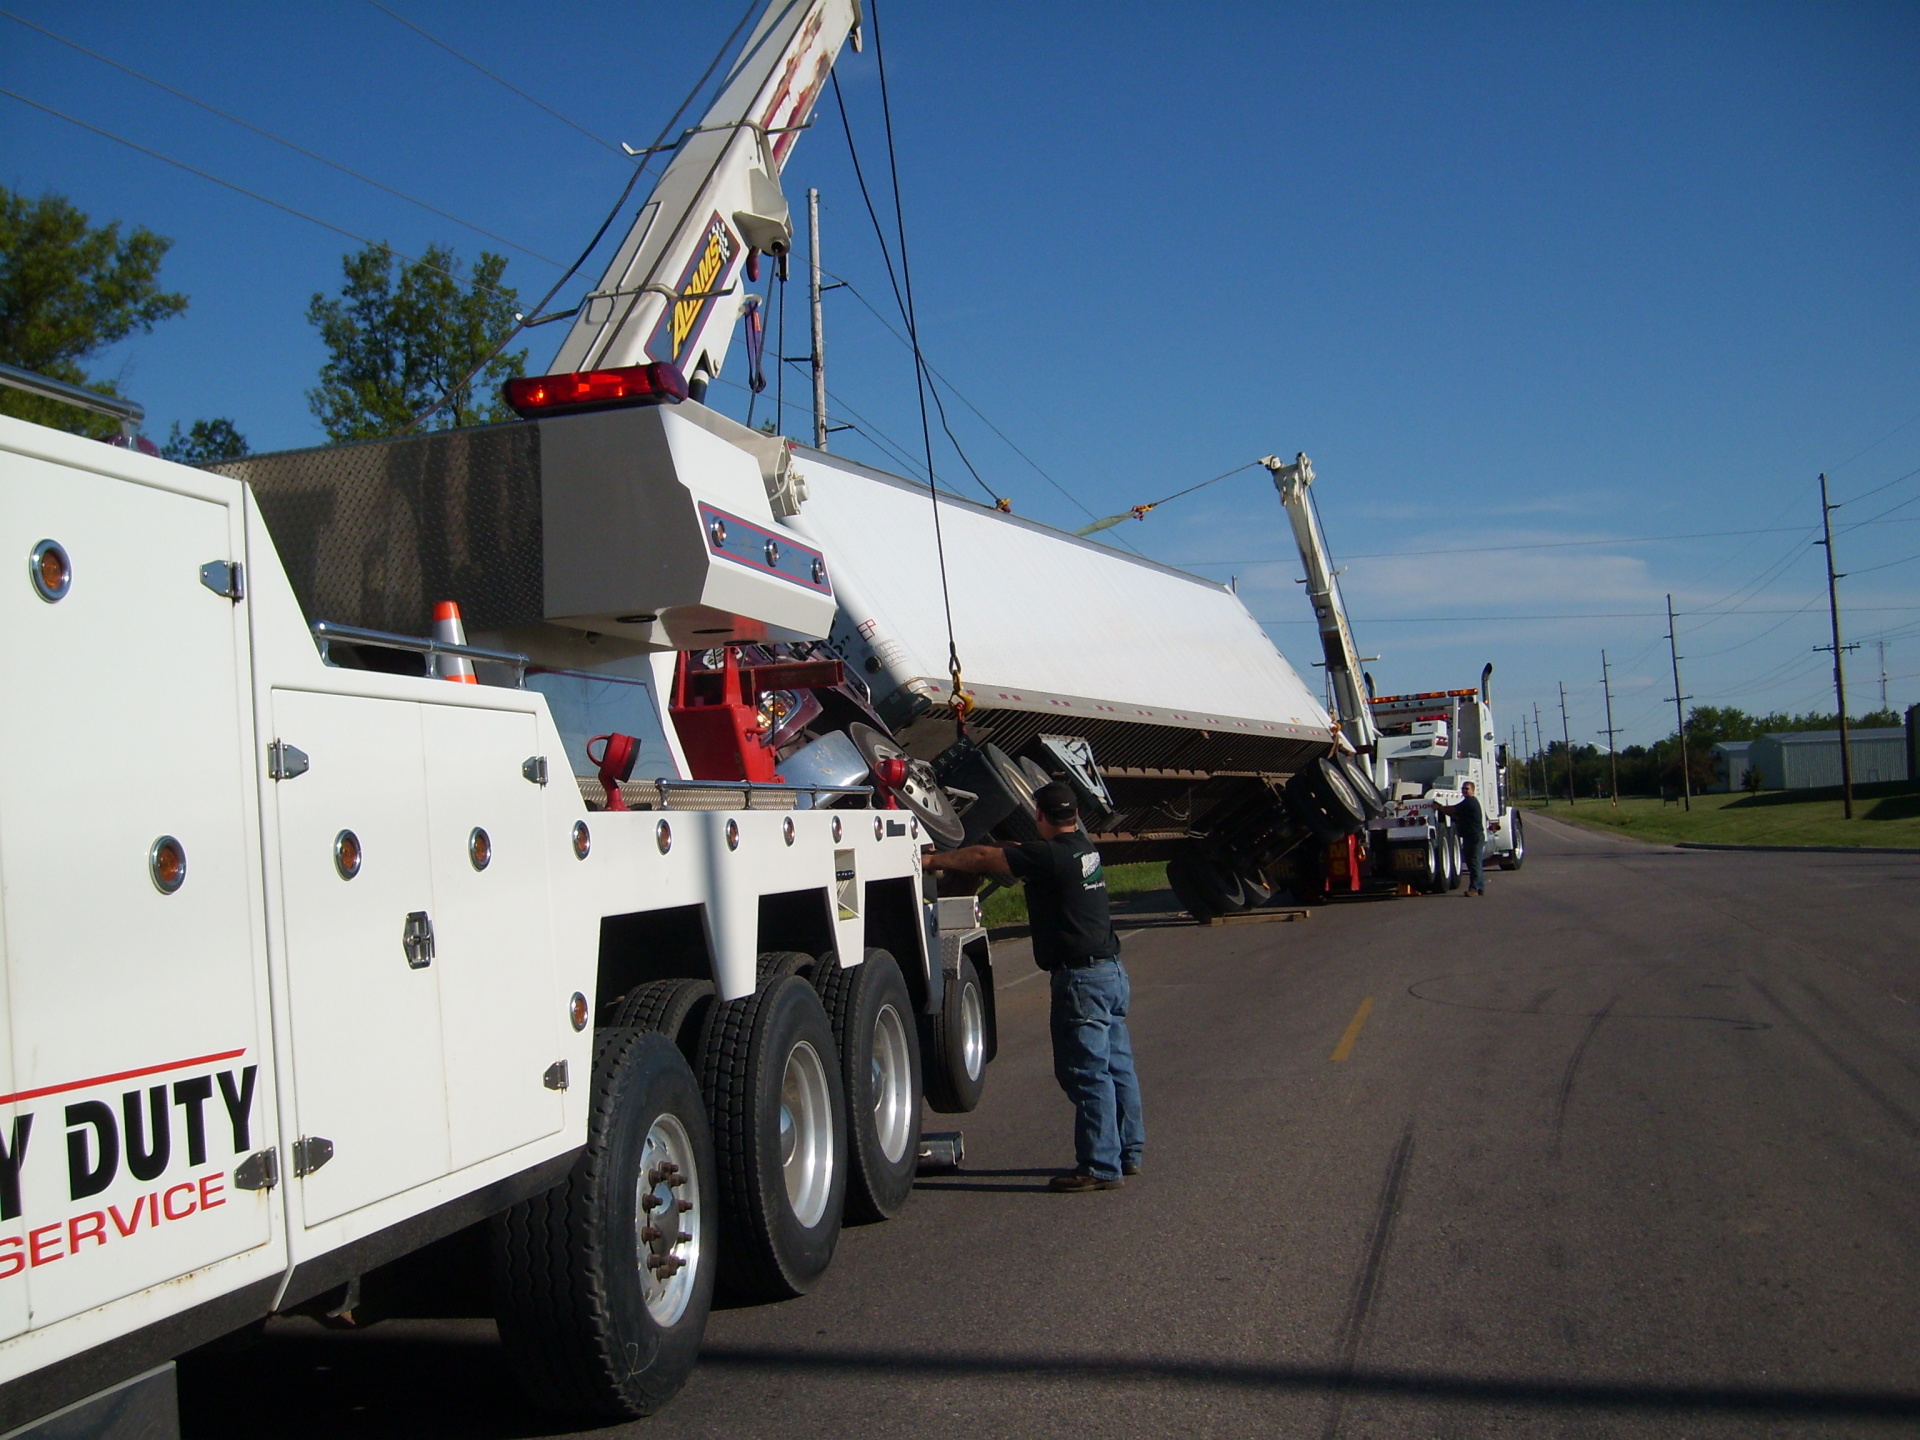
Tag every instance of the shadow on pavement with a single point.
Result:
(1550, 1393)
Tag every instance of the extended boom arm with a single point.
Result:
(676, 285)
(1323, 589)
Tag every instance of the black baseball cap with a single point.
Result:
(1057, 803)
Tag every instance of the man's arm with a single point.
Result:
(973, 860)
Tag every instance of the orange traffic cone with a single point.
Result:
(448, 630)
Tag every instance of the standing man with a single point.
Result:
(1473, 837)
(1073, 941)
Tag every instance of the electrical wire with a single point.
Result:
(278, 139)
(1539, 545)
(633, 179)
(464, 281)
(497, 78)
(859, 175)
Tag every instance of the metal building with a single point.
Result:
(1810, 759)
(1730, 762)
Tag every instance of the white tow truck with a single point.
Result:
(319, 959)
(1402, 758)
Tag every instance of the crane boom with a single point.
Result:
(675, 287)
(1323, 589)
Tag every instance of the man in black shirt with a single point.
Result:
(1472, 824)
(1073, 941)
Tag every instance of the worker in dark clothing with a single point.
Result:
(1073, 941)
(1471, 822)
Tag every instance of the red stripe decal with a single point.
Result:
(122, 1075)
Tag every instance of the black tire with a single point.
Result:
(570, 1287)
(1361, 783)
(1517, 856)
(772, 964)
(1456, 857)
(873, 1025)
(1186, 890)
(676, 1009)
(1254, 888)
(954, 1045)
(771, 1250)
(1328, 783)
(1436, 879)
(1219, 884)
(1303, 801)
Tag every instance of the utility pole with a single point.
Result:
(819, 329)
(1540, 748)
(1839, 651)
(1566, 738)
(1679, 715)
(1883, 675)
(1613, 753)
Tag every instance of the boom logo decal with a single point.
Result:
(706, 274)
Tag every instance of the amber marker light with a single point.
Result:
(577, 1011)
(50, 570)
(346, 854)
(582, 840)
(167, 863)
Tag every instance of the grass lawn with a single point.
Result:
(1884, 814)
(1009, 906)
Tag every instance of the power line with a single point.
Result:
(250, 194)
(278, 139)
(496, 78)
(1532, 545)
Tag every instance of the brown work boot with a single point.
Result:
(1079, 1180)
(1129, 1167)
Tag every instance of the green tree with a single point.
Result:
(402, 336)
(206, 442)
(68, 290)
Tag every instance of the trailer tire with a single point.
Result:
(771, 1074)
(953, 1045)
(1254, 889)
(1456, 857)
(1005, 805)
(1516, 855)
(1219, 884)
(1328, 783)
(673, 1008)
(1180, 880)
(585, 1331)
(872, 1018)
(1361, 783)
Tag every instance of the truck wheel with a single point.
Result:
(1306, 798)
(1336, 797)
(1456, 858)
(1360, 781)
(1517, 855)
(954, 1043)
(1219, 884)
(1180, 880)
(602, 1284)
(1435, 882)
(872, 1018)
(771, 1076)
(772, 964)
(1254, 889)
(673, 1008)
(1005, 805)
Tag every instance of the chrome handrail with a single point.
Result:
(125, 411)
(325, 632)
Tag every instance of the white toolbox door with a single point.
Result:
(126, 717)
(500, 1015)
(367, 1068)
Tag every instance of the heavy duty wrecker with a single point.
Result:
(326, 971)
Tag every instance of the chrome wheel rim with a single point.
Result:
(973, 1032)
(892, 1084)
(806, 1134)
(668, 1220)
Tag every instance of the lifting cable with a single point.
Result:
(1139, 512)
(962, 701)
(537, 316)
(1000, 502)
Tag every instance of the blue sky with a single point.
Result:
(1548, 278)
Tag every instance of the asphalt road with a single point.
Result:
(1631, 1146)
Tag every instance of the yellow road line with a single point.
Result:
(1345, 1047)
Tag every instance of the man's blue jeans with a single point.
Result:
(1093, 1061)
(1474, 852)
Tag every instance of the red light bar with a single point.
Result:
(533, 396)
